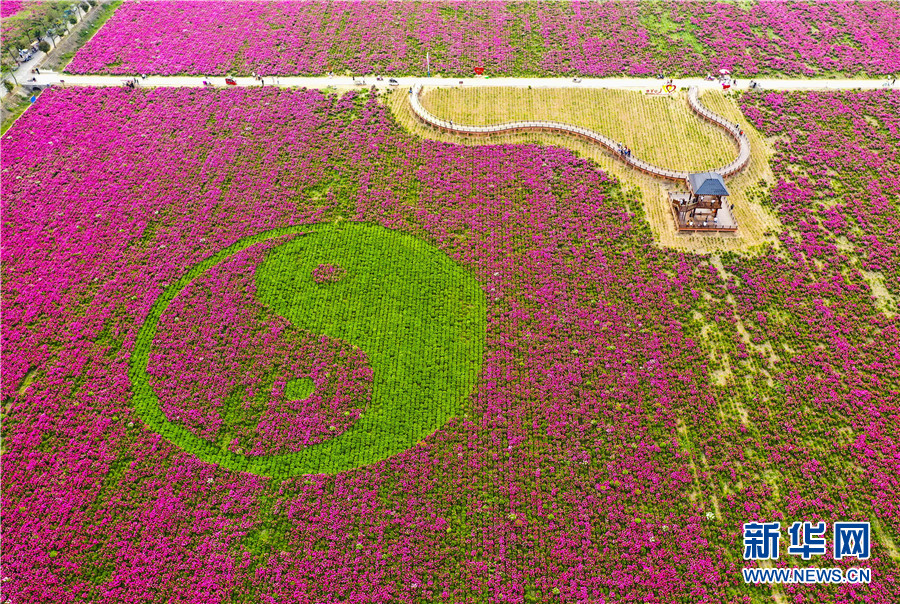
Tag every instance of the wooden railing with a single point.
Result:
(733, 130)
(595, 137)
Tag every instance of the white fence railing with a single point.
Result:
(604, 141)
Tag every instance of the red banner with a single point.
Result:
(479, 71)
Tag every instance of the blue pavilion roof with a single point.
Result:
(707, 183)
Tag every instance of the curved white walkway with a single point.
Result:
(595, 137)
(733, 130)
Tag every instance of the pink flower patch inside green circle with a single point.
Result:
(328, 273)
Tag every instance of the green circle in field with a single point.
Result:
(299, 389)
(417, 314)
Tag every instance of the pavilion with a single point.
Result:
(705, 206)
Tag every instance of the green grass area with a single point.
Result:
(299, 389)
(15, 107)
(418, 316)
(663, 29)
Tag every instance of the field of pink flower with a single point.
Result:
(547, 38)
(9, 8)
(634, 407)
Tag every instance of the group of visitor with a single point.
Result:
(624, 151)
(705, 223)
(690, 222)
(135, 82)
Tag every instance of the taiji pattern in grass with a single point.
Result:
(418, 316)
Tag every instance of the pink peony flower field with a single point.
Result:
(505, 38)
(267, 345)
(596, 457)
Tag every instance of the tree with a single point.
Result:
(44, 46)
(12, 72)
(8, 47)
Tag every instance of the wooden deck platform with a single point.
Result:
(702, 220)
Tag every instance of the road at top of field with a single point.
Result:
(642, 84)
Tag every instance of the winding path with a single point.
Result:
(733, 131)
